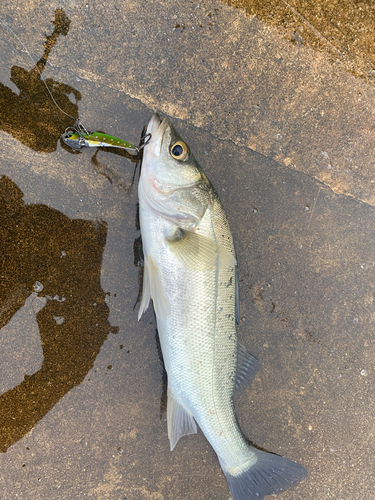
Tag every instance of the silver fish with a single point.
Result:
(190, 274)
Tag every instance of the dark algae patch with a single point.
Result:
(42, 249)
(343, 28)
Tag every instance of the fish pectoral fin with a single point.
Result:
(198, 252)
(247, 367)
(180, 422)
(157, 291)
(146, 294)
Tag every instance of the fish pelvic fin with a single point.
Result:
(146, 294)
(159, 297)
(198, 252)
(180, 422)
(267, 474)
(153, 288)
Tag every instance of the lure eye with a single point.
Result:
(180, 151)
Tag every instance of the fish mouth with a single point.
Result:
(156, 128)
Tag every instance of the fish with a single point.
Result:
(190, 273)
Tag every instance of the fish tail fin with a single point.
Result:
(267, 474)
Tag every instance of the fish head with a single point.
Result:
(168, 159)
(172, 182)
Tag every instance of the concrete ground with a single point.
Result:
(276, 100)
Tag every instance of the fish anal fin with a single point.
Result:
(198, 252)
(180, 421)
(247, 367)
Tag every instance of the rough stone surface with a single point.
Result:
(285, 134)
(230, 74)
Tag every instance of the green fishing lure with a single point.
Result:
(78, 140)
(78, 137)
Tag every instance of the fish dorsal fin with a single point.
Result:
(180, 422)
(237, 296)
(153, 288)
(247, 367)
(198, 252)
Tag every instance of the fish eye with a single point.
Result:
(180, 151)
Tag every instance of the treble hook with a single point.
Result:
(80, 128)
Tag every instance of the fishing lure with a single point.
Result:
(78, 137)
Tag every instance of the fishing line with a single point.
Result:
(78, 123)
(78, 127)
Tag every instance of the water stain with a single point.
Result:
(31, 116)
(343, 29)
(111, 174)
(63, 257)
(309, 396)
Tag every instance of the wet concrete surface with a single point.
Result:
(82, 383)
(340, 28)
